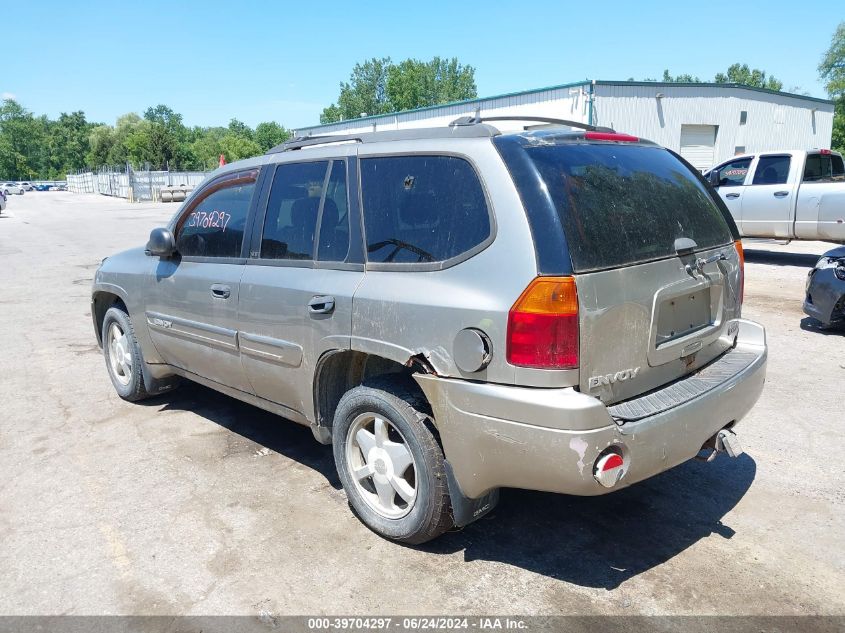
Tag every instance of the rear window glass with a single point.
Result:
(624, 204)
(422, 209)
(823, 168)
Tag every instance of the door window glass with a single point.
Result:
(772, 170)
(214, 226)
(292, 211)
(837, 167)
(823, 168)
(733, 174)
(421, 209)
(334, 220)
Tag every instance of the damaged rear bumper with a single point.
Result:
(549, 439)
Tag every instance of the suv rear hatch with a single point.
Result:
(653, 254)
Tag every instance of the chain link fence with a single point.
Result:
(132, 184)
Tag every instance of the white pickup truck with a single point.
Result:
(789, 195)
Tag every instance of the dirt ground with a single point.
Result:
(195, 503)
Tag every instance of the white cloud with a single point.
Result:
(8, 95)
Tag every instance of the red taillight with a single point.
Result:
(741, 255)
(543, 325)
(824, 152)
(611, 136)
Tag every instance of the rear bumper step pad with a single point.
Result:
(683, 390)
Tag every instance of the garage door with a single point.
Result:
(698, 143)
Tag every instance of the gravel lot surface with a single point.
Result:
(195, 503)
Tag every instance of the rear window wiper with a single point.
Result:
(400, 245)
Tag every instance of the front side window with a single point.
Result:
(772, 170)
(733, 174)
(422, 209)
(214, 225)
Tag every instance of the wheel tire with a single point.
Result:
(128, 384)
(399, 402)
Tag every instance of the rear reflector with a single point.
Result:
(741, 255)
(609, 469)
(611, 136)
(543, 325)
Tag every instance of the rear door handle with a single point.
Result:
(732, 195)
(781, 194)
(321, 304)
(219, 291)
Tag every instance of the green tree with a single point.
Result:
(742, 74)
(685, 78)
(269, 134)
(364, 93)
(237, 147)
(239, 128)
(101, 142)
(166, 137)
(832, 72)
(416, 84)
(21, 138)
(378, 86)
(68, 143)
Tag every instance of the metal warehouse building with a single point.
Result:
(705, 122)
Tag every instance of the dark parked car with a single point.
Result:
(825, 297)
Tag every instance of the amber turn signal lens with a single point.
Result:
(543, 325)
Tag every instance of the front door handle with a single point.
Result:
(781, 194)
(219, 291)
(732, 195)
(321, 304)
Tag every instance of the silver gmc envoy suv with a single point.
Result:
(455, 310)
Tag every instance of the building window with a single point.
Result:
(739, 149)
(743, 117)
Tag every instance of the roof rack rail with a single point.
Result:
(475, 120)
(299, 142)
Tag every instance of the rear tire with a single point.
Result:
(390, 462)
(123, 355)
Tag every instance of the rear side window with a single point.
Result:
(733, 174)
(772, 170)
(823, 168)
(625, 204)
(214, 226)
(422, 209)
(333, 238)
(293, 210)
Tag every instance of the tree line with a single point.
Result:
(736, 74)
(37, 147)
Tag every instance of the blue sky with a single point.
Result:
(283, 61)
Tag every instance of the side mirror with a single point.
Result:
(713, 177)
(161, 243)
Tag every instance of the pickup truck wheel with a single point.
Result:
(123, 355)
(390, 463)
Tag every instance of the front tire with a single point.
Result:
(389, 461)
(123, 355)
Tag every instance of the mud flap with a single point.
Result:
(156, 386)
(464, 509)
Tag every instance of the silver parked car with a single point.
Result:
(455, 310)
